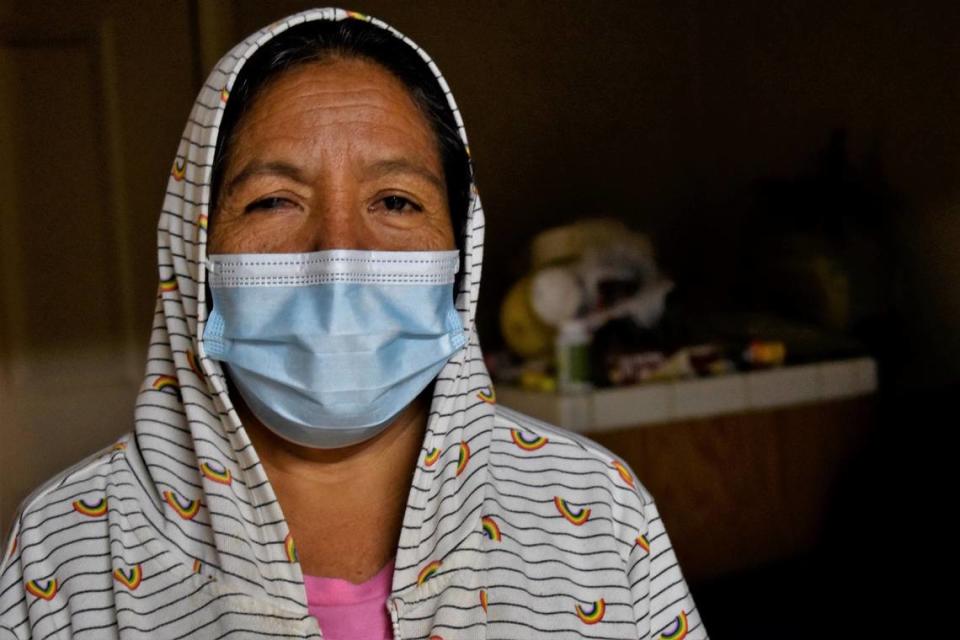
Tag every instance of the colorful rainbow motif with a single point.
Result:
(464, 457)
(490, 529)
(356, 15)
(216, 472)
(490, 397)
(427, 572)
(679, 626)
(432, 456)
(643, 542)
(196, 565)
(119, 446)
(93, 510)
(179, 170)
(36, 588)
(169, 284)
(595, 614)
(290, 548)
(187, 509)
(167, 383)
(192, 361)
(224, 94)
(202, 221)
(531, 444)
(624, 472)
(130, 579)
(575, 517)
(483, 599)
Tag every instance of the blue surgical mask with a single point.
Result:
(327, 348)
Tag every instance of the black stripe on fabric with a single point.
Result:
(579, 632)
(618, 568)
(183, 198)
(206, 604)
(654, 596)
(190, 141)
(448, 514)
(598, 588)
(437, 542)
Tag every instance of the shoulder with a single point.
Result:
(541, 459)
(67, 510)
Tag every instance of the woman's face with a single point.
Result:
(333, 155)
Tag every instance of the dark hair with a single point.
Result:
(321, 40)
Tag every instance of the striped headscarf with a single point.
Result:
(220, 507)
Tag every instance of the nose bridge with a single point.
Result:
(336, 220)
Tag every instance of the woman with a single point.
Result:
(317, 443)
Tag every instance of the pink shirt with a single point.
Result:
(348, 611)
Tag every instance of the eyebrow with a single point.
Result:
(259, 168)
(376, 170)
(402, 165)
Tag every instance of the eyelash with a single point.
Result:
(412, 204)
(265, 203)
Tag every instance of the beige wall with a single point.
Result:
(660, 112)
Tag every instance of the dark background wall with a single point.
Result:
(666, 114)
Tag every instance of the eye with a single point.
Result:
(271, 203)
(399, 204)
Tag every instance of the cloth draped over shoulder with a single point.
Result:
(513, 528)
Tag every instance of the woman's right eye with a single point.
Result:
(270, 203)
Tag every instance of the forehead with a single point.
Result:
(341, 97)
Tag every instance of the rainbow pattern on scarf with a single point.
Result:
(119, 446)
(679, 628)
(577, 517)
(594, 614)
(490, 397)
(167, 383)
(643, 542)
(290, 548)
(464, 457)
(187, 509)
(34, 587)
(170, 284)
(356, 15)
(427, 572)
(531, 444)
(224, 94)
(94, 510)
(192, 361)
(202, 221)
(490, 529)
(432, 456)
(483, 599)
(130, 579)
(624, 472)
(216, 472)
(196, 565)
(179, 171)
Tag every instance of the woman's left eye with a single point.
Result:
(399, 204)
